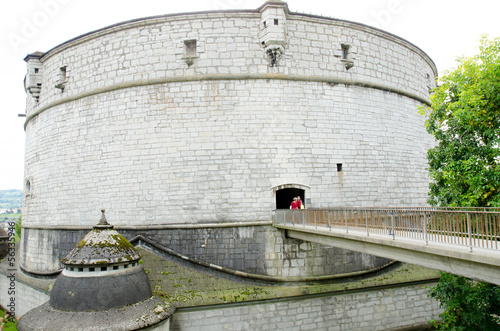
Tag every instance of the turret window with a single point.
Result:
(345, 52)
(61, 79)
(190, 51)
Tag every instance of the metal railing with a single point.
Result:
(471, 227)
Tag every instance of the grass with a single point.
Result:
(9, 326)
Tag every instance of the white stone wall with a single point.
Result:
(154, 140)
(228, 44)
(384, 309)
(213, 151)
(25, 296)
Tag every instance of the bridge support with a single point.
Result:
(481, 264)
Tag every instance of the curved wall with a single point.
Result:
(200, 118)
(155, 141)
(213, 151)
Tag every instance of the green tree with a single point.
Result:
(18, 228)
(464, 119)
(467, 304)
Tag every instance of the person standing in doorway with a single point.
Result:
(299, 203)
(294, 204)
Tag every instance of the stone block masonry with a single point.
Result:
(154, 140)
(161, 155)
(188, 129)
(377, 309)
(26, 297)
(205, 118)
(259, 249)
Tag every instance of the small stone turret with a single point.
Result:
(273, 31)
(33, 79)
(102, 287)
(98, 270)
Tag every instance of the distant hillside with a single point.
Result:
(11, 199)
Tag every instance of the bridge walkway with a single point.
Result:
(459, 241)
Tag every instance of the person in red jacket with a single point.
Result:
(294, 204)
(299, 203)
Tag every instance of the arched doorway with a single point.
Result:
(285, 196)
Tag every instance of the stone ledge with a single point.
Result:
(217, 77)
(152, 227)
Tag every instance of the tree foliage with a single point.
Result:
(464, 119)
(468, 305)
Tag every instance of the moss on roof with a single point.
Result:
(102, 246)
(189, 286)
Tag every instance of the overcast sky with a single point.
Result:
(444, 29)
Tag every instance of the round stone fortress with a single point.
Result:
(192, 128)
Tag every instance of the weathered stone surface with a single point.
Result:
(161, 142)
(258, 249)
(100, 292)
(156, 141)
(133, 317)
(101, 247)
(349, 311)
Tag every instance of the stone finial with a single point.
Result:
(103, 246)
(103, 220)
(103, 223)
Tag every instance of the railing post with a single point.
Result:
(345, 218)
(366, 218)
(329, 212)
(392, 226)
(469, 232)
(437, 226)
(425, 229)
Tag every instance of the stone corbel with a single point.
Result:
(61, 85)
(274, 53)
(35, 91)
(348, 64)
(189, 59)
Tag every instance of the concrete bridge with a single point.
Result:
(461, 241)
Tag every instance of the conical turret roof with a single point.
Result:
(102, 246)
(91, 297)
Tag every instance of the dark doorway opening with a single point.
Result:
(284, 197)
